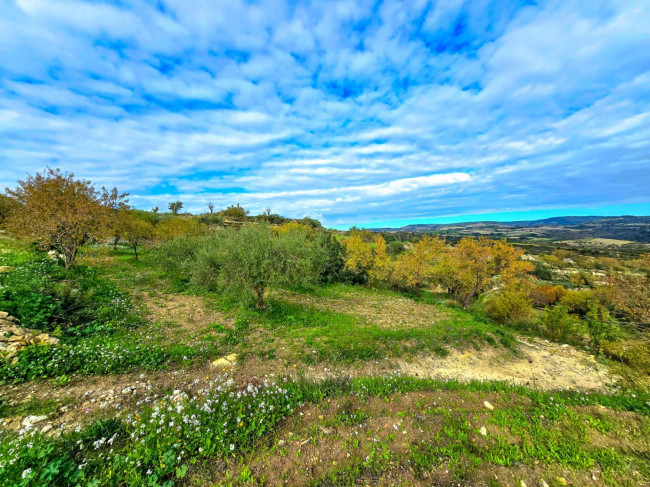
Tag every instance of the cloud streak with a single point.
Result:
(352, 112)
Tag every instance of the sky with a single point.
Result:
(368, 113)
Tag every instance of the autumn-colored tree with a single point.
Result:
(136, 232)
(175, 207)
(6, 205)
(290, 227)
(509, 263)
(476, 264)
(415, 268)
(358, 255)
(380, 270)
(630, 297)
(176, 227)
(547, 294)
(56, 210)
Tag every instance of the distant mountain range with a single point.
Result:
(632, 228)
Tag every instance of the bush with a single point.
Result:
(508, 306)
(558, 324)
(547, 294)
(602, 327)
(634, 353)
(543, 271)
(45, 296)
(578, 302)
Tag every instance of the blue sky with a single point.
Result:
(355, 112)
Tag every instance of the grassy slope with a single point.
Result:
(352, 433)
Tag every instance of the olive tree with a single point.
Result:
(246, 262)
(175, 207)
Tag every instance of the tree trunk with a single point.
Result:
(135, 251)
(117, 239)
(260, 297)
(469, 296)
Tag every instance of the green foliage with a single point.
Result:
(244, 263)
(46, 296)
(543, 271)
(578, 302)
(601, 326)
(333, 257)
(97, 355)
(558, 324)
(175, 207)
(508, 306)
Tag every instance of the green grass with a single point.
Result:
(322, 335)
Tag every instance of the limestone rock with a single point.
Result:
(488, 405)
(32, 420)
(483, 431)
(227, 361)
(14, 338)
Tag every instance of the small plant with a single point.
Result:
(601, 326)
(558, 324)
(61, 381)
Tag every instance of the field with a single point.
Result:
(372, 387)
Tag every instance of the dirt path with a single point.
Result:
(539, 364)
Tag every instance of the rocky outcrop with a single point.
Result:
(14, 338)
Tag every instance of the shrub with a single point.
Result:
(558, 324)
(547, 294)
(508, 306)
(578, 302)
(543, 271)
(602, 327)
(46, 296)
(634, 353)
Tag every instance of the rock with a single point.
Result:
(19, 338)
(483, 431)
(522, 484)
(128, 390)
(280, 442)
(31, 420)
(543, 483)
(46, 428)
(488, 405)
(227, 361)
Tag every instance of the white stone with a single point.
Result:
(30, 420)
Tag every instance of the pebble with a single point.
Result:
(30, 420)
(488, 405)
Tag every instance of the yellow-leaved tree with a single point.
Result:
(358, 254)
(415, 268)
(381, 268)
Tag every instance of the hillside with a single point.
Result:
(630, 228)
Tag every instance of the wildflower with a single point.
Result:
(232, 447)
(26, 472)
